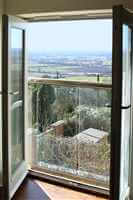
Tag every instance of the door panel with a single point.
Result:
(14, 31)
(121, 104)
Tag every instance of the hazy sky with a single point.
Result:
(83, 35)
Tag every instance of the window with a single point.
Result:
(75, 134)
(70, 77)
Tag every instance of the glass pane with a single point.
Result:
(126, 81)
(126, 114)
(125, 151)
(70, 131)
(94, 133)
(16, 99)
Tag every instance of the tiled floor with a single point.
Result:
(38, 190)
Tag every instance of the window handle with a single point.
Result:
(126, 107)
(122, 107)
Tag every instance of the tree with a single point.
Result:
(42, 98)
(46, 96)
(65, 102)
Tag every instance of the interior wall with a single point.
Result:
(131, 4)
(34, 6)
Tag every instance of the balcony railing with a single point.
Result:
(70, 128)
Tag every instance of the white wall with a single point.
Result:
(32, 6)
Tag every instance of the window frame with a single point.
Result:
(58, 177)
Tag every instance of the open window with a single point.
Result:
(70, 89)
(59, 105)
(121, 133)
(14, 163)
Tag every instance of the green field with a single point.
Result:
(92, 79)
(59, 70)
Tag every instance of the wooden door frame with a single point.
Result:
(120, 16)
(9, 22)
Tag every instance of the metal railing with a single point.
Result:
(69, 83)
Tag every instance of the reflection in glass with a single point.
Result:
(16, 99)
(125, 144)
(126, 82)
(126, 114)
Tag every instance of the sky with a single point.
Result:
(65, 36)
